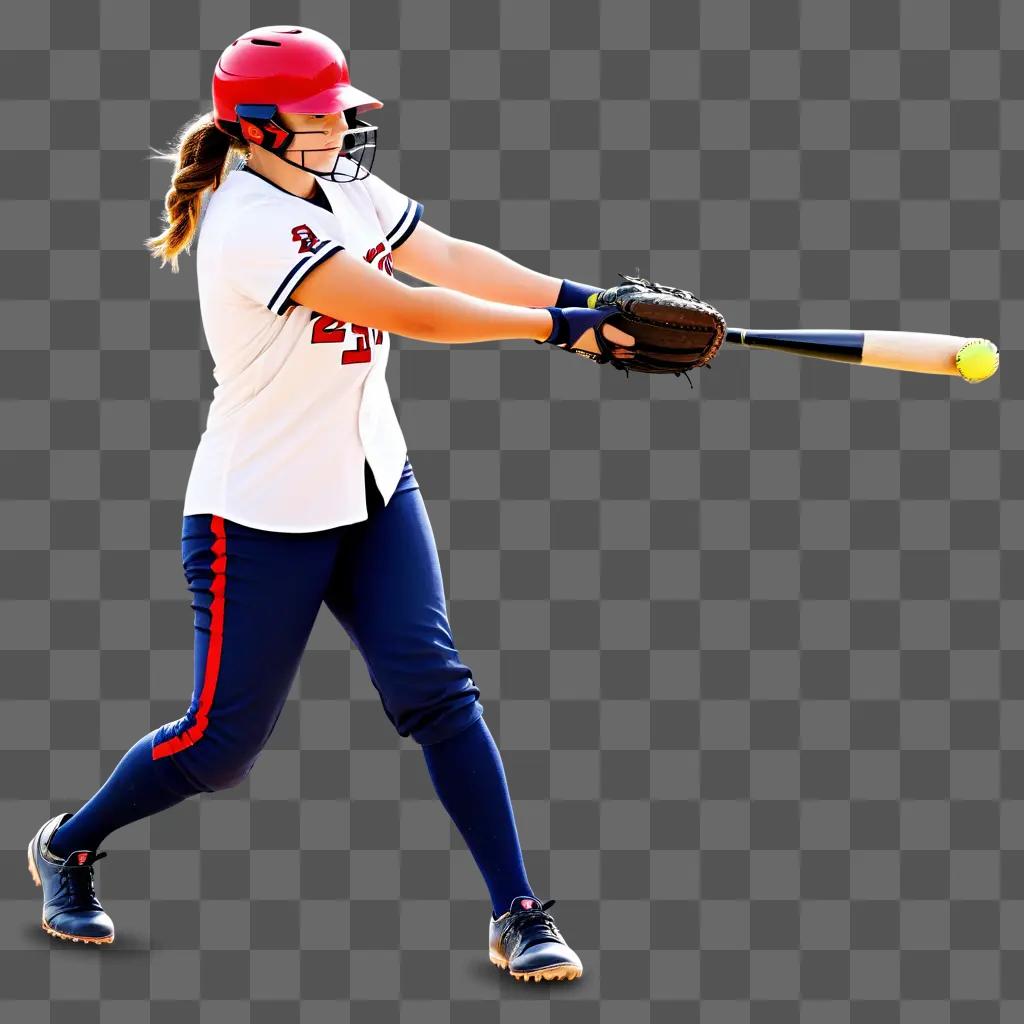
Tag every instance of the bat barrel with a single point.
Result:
(973, 359)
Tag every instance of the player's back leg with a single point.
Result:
(255, 598)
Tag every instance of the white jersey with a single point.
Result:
(301, 399)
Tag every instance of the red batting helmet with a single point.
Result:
(294, 70)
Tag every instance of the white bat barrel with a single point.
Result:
(970, 358)
(973, 359)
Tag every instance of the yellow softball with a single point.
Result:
(977, 360)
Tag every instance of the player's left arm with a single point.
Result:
(432, 256)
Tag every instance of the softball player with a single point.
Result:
(301, 491)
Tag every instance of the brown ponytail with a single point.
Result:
(200, 161)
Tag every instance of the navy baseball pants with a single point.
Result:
(256, 595)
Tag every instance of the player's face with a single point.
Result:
(317, 151)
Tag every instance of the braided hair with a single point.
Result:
(200, 159)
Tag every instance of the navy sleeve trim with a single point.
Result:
(403, 229)
(280, 300)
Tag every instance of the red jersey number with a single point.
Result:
(327, 330)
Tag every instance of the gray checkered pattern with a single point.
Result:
(751, 652)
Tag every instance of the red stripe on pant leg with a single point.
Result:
(195, 731)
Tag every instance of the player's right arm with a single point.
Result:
(353, 291)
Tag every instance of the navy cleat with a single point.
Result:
(70, 908)
(526, 942)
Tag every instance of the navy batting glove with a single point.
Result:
(569, 324)
(572, 293)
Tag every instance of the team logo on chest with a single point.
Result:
(306, 237)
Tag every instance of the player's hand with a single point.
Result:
(620, 339)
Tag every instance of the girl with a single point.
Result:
(301, 491)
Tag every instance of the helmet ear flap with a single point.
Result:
(257, 125)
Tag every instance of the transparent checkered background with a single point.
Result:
(752, 651)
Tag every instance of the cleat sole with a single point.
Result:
(554, 972)
(88, 939)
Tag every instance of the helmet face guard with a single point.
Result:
(257, 125)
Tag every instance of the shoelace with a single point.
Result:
(79, 879)
(539, 924)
